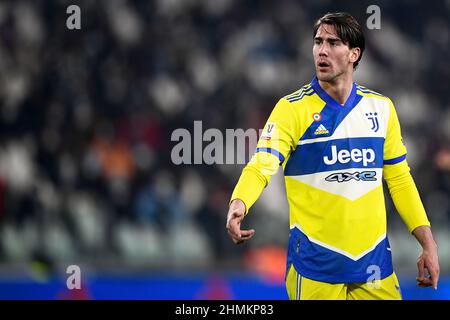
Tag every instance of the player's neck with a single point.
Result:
(339, 89)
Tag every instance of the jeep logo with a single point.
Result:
(355, 155)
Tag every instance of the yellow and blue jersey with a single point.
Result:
(333, 157)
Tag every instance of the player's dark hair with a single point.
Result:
(347, 28)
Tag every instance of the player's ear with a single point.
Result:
(354, 54)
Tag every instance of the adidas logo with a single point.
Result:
(321, 130)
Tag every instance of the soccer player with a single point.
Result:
(336, 140)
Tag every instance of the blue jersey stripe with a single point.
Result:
(395, 160)
(336, 154)
(321, 264)
(329, 100)
(272, 151)
(331, 119)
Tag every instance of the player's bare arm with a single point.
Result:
(236, 214)
(428, 260)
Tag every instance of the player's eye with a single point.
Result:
(336, 43)
(317, 41)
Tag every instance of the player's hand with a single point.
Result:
(428, 261)
(235, 216)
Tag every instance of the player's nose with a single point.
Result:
(323, 51)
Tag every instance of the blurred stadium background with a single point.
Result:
(86, 117)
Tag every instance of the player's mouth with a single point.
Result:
(323, 66)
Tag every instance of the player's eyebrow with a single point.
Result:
(330, 39)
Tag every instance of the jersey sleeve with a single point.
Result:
(397, 174)
(277, 140)
(394, 149)
(407, 200)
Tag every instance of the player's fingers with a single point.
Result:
(236, 240)
(426, 282)
(234, 237)
(434, 273)
(420, 267)
(247, 234)
(234, 229)
(423, 285)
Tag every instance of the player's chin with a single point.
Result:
(324, 75)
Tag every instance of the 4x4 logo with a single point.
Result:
(347, 176)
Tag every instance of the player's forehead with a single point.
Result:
(327, 31)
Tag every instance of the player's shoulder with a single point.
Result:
(298, 95)
(368, 93)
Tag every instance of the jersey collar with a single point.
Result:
(329, 100)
